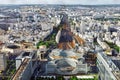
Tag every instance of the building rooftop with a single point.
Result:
(66, 64)
(117, 75)
(58, 54)
(25, 54)
(117, 63)
(114, 64)
(21, 69)
(13, 46)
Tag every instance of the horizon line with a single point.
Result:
(60, 4)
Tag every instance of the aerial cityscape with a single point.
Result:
(59, 42)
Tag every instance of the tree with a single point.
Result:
(73, 78)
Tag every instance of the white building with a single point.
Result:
(3, 62)
(66, 62)
(26, 63)
(107, 69)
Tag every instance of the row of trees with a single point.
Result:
(43, 43)
(50, 40)
(62, 78)
(47, 43)
(114, 46)
(106, 19)
(51, 78)
(10, 70)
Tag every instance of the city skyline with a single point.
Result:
(82, 2)
(59, 41)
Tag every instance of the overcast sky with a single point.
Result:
(60, 2)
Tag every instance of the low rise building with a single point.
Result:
(3, 61)
(108, 70)
(26, 63)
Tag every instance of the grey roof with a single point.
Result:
(66, 62)
(62, 53)
(67, 53)
(117, 63)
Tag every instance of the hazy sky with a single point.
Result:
(59, 1)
